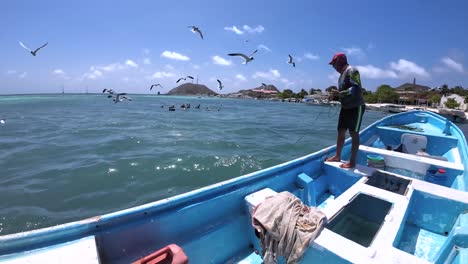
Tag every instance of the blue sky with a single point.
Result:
(129, 45)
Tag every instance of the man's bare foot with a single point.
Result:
(334, 158)
(347, 165)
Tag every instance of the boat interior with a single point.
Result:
(393, 214)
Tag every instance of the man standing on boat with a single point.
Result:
(352, 107)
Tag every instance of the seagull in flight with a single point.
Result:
(2, 121)
(31, 51)
(196, 30)
(290, 61)
(119, 97)
(246, 58)
(264, 85)
(109, 91)
(185, 78)
(220, 84)
(155, 85)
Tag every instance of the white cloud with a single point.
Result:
(131, 63)
(58, 72)
(174, 56)
(311, 56)
(146, 51)
(89, 76)
(126, 79)
(241, 77)
(234, 29)
(353, 51)
(450, 63)
(221, 61)
(23, 75)
(272, 74)
(196, 67)
(93, 75)
(108, 68)
(147, 61)
(161, 75)
(261, 46)
(372, 72)
(407, 68)
(246, 28)
(11, 72)
(286, 82)
(257, 29)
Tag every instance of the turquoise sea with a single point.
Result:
(69, 157)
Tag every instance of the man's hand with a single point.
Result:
(333, 94)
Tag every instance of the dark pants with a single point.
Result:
(351, 119)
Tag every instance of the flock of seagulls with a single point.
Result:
(118, 97)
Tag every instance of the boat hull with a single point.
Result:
(200, 221)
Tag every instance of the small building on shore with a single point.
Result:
(413, 94)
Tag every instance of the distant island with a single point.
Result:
(192, 89)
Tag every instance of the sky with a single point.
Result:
(129, 45)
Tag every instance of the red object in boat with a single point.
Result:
(171, 254)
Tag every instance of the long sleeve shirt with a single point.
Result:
(349, 85)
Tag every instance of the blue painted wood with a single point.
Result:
(212, 223)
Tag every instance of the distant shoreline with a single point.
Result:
(412, 107)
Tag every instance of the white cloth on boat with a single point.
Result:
(286, 227)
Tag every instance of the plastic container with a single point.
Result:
(437, 176)
(375, 161)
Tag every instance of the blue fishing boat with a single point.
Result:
(406, 201)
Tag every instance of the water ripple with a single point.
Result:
(66, 158)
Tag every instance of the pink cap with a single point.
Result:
(336, 56)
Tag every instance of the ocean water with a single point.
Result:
(69, 157)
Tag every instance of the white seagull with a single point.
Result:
(246, 58)
(220, 84)
(119, 97)
(290, 61)
(2, 121)
(32, 52)
(154, 85)
(196, 30)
